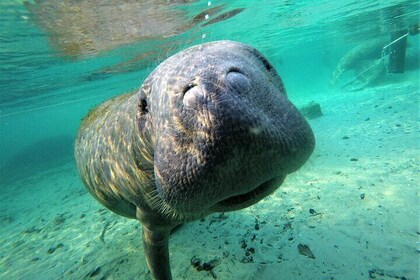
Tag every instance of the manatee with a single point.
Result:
(210, 130)
(357, 59)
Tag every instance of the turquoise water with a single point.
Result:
(57, 61)
(46, 91)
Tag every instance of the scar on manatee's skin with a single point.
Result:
(210, 130)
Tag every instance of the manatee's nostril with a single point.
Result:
(234, 70)
(188, 87)
(238, 81)
(192, 96)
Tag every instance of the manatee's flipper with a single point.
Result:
(370, 71)
(156, 249)
(366, 73)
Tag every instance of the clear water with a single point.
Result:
(45, 91)
(53, 71)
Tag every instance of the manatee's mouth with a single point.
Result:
(249, 198)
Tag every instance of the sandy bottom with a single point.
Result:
(355, 205)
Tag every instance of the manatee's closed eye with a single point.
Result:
(261, 58)
(143, 106)
(267, 64)
(143, 109)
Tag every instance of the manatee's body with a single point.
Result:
(211, 129)
(362, 57)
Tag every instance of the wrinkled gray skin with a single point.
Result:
(210, 130)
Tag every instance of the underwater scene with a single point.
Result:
(190, 139)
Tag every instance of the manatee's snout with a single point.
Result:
(233, 81)
(232, 135)
(241, 106)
